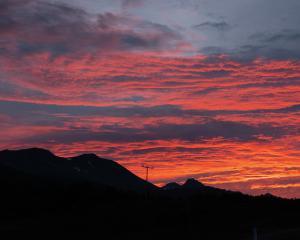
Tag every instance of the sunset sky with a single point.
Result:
(208, 89)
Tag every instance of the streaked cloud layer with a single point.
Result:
(203, 91)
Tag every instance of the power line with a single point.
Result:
(147, 167)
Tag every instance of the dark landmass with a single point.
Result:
(41, 192)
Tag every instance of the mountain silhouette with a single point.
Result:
(171, 186)
(43, 164)
(86, 193)
(192, 186)
(192, 183)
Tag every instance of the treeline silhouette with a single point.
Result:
(34, 203)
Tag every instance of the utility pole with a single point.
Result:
(255, 233)
(147, 167)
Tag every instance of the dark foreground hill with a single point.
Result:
(44, 193)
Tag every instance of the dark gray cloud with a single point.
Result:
(132, 99)
(286, 35)
(260, 29)
(63, 117)
(21, 110)
(249, 52)
(227, 130)
(203, 21)
(277, 45)
(8, 89)
(208, 90)
(265, 29)
(29, 27)
(219, 26)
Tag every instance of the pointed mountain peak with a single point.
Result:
(171, 186)
(192, 183)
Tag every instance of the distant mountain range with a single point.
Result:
(44, 165)
(40, 167)
(44, 192)
(191, 184)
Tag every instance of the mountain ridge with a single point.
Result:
(89, 167)
(82, 168)
(119, 204)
